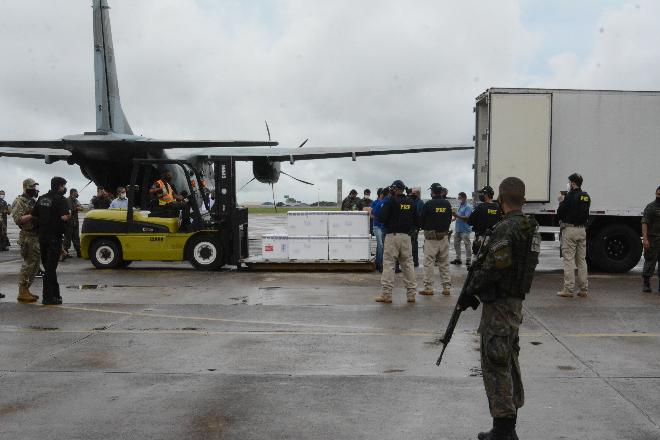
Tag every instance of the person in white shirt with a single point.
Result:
(121, 202)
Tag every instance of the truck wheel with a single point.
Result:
(105, 254)
(616, 248)
(204, 253)
(125, 263)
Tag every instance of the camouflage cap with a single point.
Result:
(29, 183)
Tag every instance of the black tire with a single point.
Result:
(125, 263)
(105, 254)
(615, 248)
(204, 252)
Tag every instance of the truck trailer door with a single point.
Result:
(520, 140)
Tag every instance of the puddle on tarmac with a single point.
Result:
(100, 328)
(105, 286)
(88, 286)
(270, 288)
(536, 343)
(475, 372)
(42, 328)
(394, 371)
(565, 367)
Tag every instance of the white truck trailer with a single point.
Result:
(612, 138)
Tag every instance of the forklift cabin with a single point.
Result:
(207, 235)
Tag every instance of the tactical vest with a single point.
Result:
(525, 259)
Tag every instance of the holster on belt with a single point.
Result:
(435, 235)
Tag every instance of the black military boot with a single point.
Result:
(504, 428)
(647, 285)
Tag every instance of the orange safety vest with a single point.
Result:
(167, 197)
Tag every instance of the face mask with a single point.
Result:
(482, 198)
(657, 200)
(122, 195)
(2, 196)
(31, 192)
(63, 191)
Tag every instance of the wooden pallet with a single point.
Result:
(260, 265)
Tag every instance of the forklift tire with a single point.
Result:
(125, 263)
(204, 253)
(105, 254)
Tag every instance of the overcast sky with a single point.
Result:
(339, 73)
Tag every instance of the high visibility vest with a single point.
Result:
(167, 196)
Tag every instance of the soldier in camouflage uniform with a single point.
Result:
(651, 240)
(4, 210)
(28, 239)
(501, 278)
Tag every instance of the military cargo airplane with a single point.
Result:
(104, 155)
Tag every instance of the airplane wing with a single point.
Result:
(109, 141)
(48, 153)
(293, 154)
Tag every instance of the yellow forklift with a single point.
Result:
(210, 232)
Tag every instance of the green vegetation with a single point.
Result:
(284, 210)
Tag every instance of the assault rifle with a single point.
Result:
(449, 332)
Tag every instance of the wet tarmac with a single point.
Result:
(160, 351)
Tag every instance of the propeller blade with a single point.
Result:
(304, 142)
(295, 178)
(272, 187)
(86, 185)
(267, 130)
(247, 183)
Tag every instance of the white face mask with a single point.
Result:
(122, 195)
(2, 196)
(568, 186)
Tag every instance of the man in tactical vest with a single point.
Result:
(651, 240)
(500, 279)
(435, 219)
(52, 214)
(399, 215)
(167, 202)
(28, 240)
(573, 212)
(4, 210)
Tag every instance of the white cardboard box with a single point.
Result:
(348, 223)
(308, 248)
(307, 223)
(350, 248)
(275, 247)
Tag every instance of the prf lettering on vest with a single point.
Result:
(406, 207)
(584, 198)
(492, 211)
(440, 209)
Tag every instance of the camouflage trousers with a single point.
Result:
(30, 251)
(651, 257)
(4, 241)
(500, 346)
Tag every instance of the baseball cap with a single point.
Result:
(435, 187)
(487, 190)
(398, 184)
(29, 183)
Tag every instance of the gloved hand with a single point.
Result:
(466, 301)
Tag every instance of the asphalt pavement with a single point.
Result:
(160, 351)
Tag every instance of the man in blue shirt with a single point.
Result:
(462, 230)
(379, 228)
(121, 202)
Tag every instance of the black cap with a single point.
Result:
(487, 190)
(367, 191)
(435, 187)
(56, 182)
(353, 192)
(398, 184)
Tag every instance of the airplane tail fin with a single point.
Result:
(109, 114)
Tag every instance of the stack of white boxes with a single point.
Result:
(349, 237)
(308, 235)
(321, 235)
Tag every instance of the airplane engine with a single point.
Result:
(266, 171)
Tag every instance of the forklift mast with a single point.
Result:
(233, 219)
